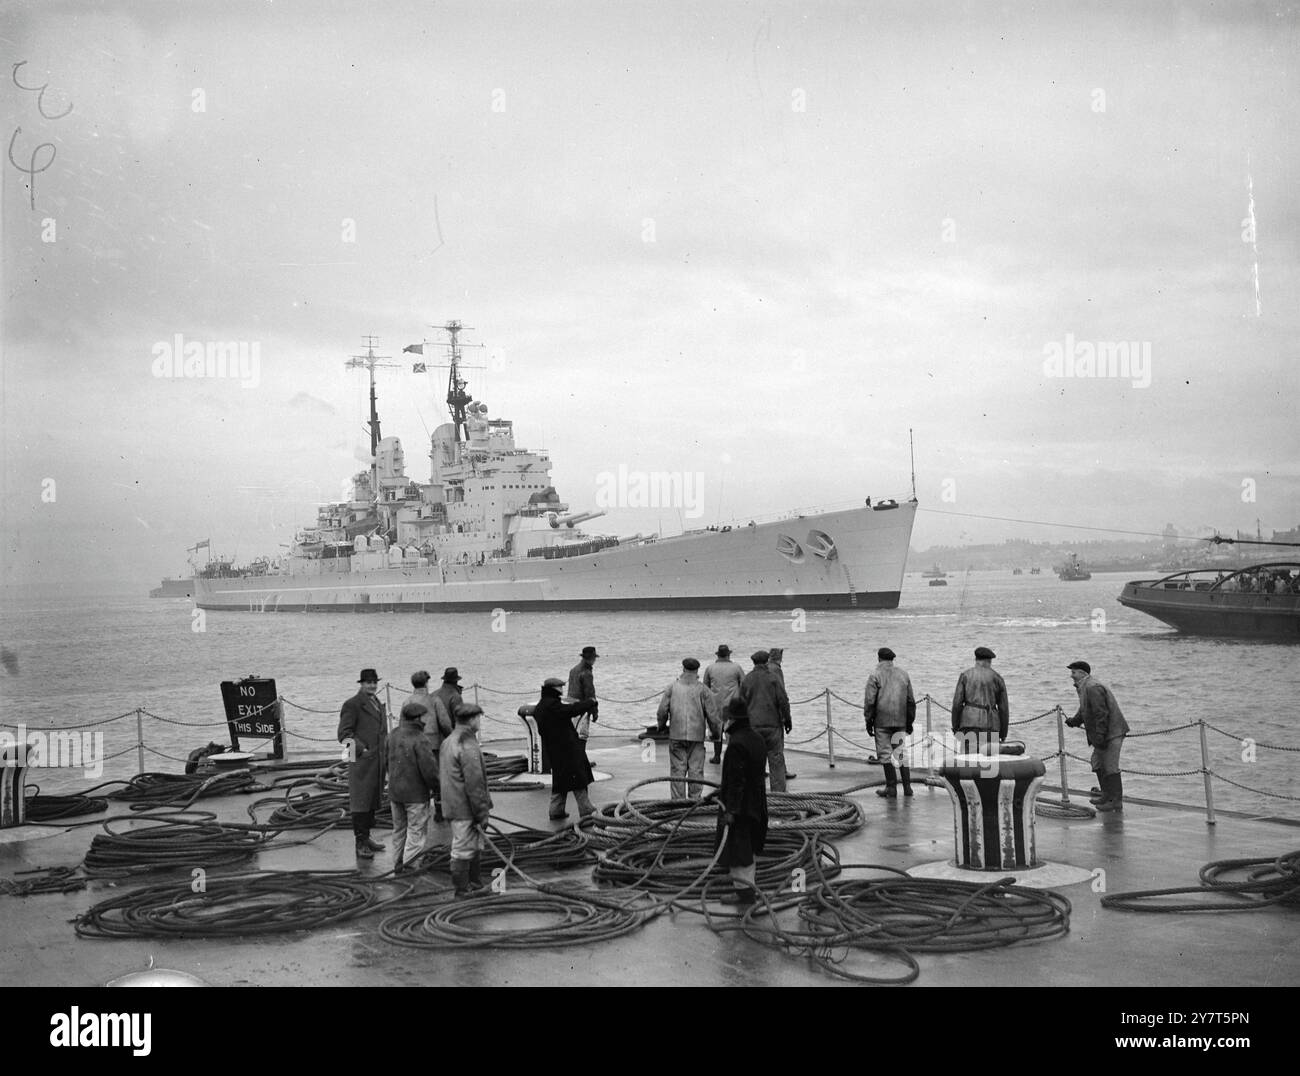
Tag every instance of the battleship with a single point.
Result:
(488, 530)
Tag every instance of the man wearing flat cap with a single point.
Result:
(723, 678)
(466, 798)
(687, 710)
(768, 707)
(412, 777)
(980, 710)
(363, 730)
(890, 710)
(582, 688)
(570, 770)
(1102, 720)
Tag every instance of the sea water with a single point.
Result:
(83, 660)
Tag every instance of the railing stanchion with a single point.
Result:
(929, 740)
(1060, 741)
(830, 732)
(139, 740)
(1205, 773)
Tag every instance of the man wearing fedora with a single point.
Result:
(582, 688)
(363, 730)
(1102, 720)
(723, 678)
(979, 707)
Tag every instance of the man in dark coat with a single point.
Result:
(582, 688)
(768, 707)
(743, 801)
(412, 776)
(363, 730)
(570, 770)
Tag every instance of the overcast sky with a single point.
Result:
(757, 242)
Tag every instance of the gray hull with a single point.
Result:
(839, 560)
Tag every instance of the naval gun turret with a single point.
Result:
(572, 520)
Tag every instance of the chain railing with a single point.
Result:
(921, 749)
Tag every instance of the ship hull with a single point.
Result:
(1254, 616)
(173, 588)
(781, 565)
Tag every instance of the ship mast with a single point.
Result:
(457, 398)
(370, 360)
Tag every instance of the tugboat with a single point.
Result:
(938, 582)
(934, 573)
(1261, 601)
(1073, 569)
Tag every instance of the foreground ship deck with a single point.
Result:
(1150, 845)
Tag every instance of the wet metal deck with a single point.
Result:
(1149, 846)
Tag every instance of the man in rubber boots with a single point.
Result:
(570, 770)
(687, 710)
(742, 800)
(980, 709)
(890, 710)
(1102, 720)
(465, 799)
(363, 730)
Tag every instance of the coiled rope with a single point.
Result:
(263, 902)
(1267, 882)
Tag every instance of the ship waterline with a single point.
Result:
(851, 559)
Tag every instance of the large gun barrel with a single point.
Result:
(574, 519)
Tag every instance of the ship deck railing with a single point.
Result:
(818, 731)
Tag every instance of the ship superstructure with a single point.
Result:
(488, 529)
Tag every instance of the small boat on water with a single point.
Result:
(934, 573)
(1017, 571)
(938, 582)
(1073, 569)
(1261, 601)
(1035, 571)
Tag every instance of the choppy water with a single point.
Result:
(83, 661)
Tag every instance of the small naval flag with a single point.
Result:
(416, 348)
(417, 368)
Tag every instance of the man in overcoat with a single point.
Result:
(688, 712)
(1103, 722)
(582, 688)
(743, 802)
(570, 770)
(768, 708)
(363, 730)
(980, 711)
